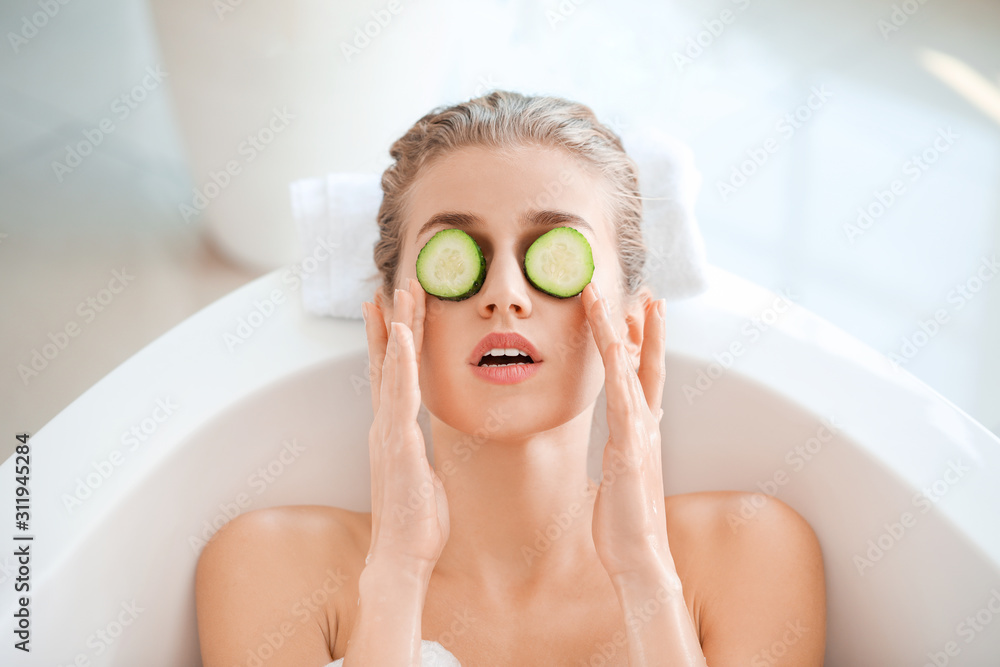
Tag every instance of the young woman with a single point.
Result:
(504, 552)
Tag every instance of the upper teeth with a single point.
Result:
(505, 351)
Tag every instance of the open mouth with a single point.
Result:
(505, 360)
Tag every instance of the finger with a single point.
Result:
(652, 359)
(406, 307)
(600, 321)
(402, 307)
(402, 311)
(377, 339)
(606, 336)
(605, 325)
(397, 314)
(388, 388)
(419, 316)
(406, 401)
(623, 401)
(624, 411)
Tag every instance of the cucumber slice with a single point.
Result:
(451, 266)
(560, 262)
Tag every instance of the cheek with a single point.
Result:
(577, 353)
(443, 343)
(583, 337)
(435, 312)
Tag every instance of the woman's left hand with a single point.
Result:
(629, 527)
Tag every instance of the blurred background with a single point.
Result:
(850, 154)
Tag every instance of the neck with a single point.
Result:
(520, 506)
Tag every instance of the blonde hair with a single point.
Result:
(504, 120)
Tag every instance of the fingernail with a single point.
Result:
(661, 307)
(364, 312)
(597, 290)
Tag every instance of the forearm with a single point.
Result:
(387, 632)
(658, 627)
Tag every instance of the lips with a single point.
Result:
(503, 339)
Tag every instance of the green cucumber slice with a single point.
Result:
(451, 266)
(560, 262)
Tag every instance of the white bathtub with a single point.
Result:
(292, 398)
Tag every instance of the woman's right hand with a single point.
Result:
(409, 509)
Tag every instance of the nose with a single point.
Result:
(506, 288)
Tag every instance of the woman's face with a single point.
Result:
(501, 192)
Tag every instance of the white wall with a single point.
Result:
(887, 96)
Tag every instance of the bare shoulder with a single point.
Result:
(759, 570)
(274, 574)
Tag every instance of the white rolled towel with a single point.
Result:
(336, 216)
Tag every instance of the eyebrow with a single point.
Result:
(533, 218)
